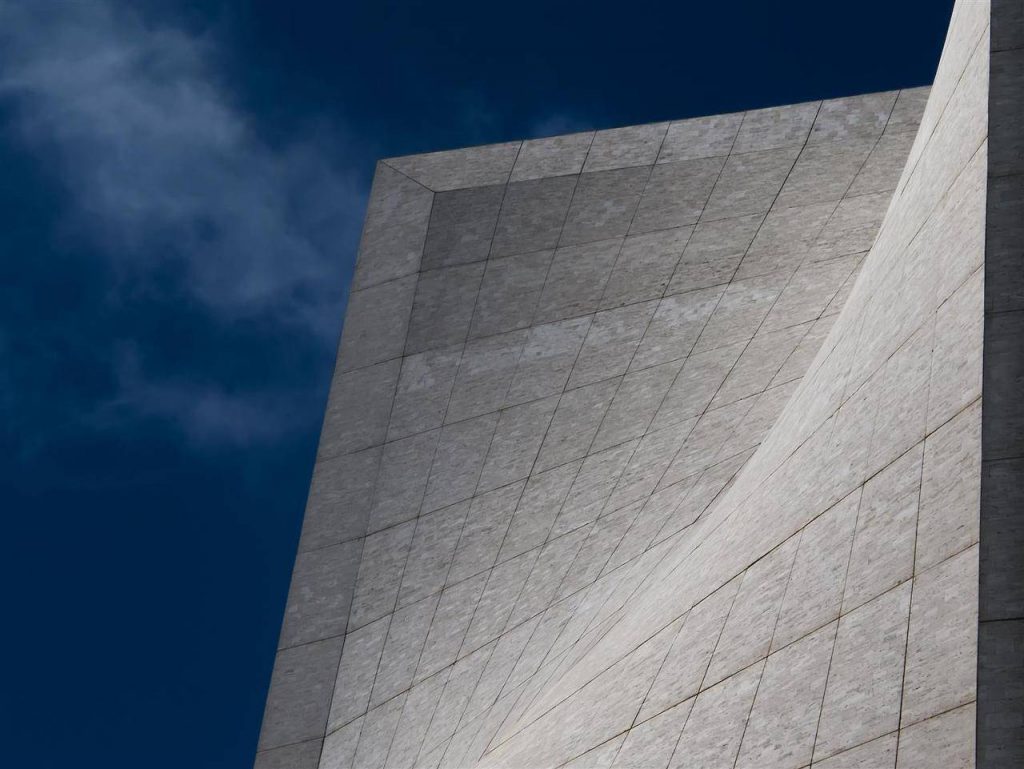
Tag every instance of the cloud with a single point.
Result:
(168, 179)
(164, 170)
(206, 413)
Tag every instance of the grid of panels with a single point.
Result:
(824, 611)
(535, 533)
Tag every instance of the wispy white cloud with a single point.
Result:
(162, 166)
(205, 413)
(165, 174)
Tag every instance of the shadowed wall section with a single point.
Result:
(659, 446)
(1001, 628)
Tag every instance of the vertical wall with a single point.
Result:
(1001, 620)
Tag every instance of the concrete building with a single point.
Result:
(694, 444)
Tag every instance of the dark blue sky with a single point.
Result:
(182, 189)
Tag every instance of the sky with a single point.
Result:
(182, 187)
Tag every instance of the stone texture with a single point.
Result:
(741, 311)
(321, 594)
(552, 156)
(537, 509)
(480, 537)
(376, 325)
(631, 411)
(356, 673)
(380, 573)
(950, 489)
(824, 172)
(575, 423)
(676, 193)
(576, 280)
(862, 696)
(815, 589)
(455, 169)
(304, 755)
(684, 668)
(611, 342)
(532, 215)
(883, 546)
(942, 659)
(621, 147)
(404, 469)
(509, 293)
(881, 171)
(906, 113)
(876, 754)
(461, 226)
(458, 461)
(700, 137)
(610, 697)
(604, 204)
(677, 324)
(785, 238)
(783, 720)
(862, 116)
(515, 444)
(450, 622)
(358, 409)
(443, 307)
(547, 359)
(713, 253)
(749, 183)
(430, 555)
(405, 639)
(421, 397)
(748, 631)
(300, 693)
(946, 740)
(714, 729)
(377, 732)
(340, 499)
(644, 267)
(485, 373)
(653, 742)
(394, 230)
(776, 127)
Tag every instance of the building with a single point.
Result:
(693, 444)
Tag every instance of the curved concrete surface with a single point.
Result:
(661, 447)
